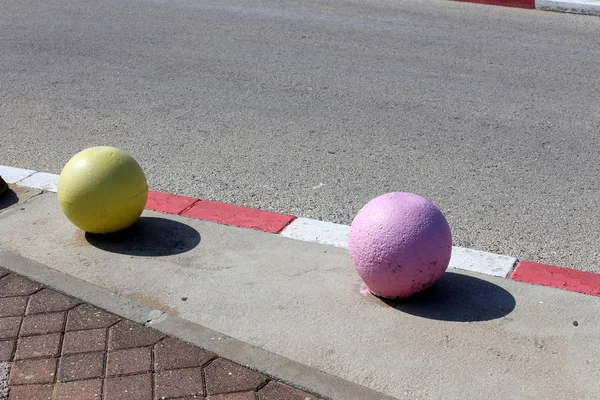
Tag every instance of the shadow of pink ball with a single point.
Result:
(400, 244)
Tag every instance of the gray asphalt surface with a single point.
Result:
(314, 107)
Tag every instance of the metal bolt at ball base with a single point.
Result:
(102, 190)
(400, 244)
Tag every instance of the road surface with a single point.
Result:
(313, 108)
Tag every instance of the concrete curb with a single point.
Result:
(505, 3)
(327, 233)
(587, 7)
(278, 367)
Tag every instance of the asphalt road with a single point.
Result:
(314, 107)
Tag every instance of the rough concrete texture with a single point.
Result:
(4, 372)
(468, 337)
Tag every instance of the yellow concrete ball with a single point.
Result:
(102, 190)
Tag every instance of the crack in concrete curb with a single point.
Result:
(154, 319)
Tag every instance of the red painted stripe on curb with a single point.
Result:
(505, 3)
(168, 203)
(557, 277)
(243, 217)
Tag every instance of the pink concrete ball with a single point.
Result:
(400, 244)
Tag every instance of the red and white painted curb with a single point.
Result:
(328, 233)
(591, 7)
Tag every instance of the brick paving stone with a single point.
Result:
(128, 334)
(25, 372)
(129, 361)
(223, 376)
(178, 383)
(234, 396)
(9, 327)
(84, 341)
(132, 387)
(79, 390)
(279, 391)
(47, 300)
(183, 371)
(6, 350)
(40, 324)
(78, 367)
(172, 353)
(87, 316)
(30, 392)
(38, 346)
(12, 306)
(15, 285)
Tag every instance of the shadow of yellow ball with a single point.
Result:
(102, 190)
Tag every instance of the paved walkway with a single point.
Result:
(53, 346)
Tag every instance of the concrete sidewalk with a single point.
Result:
(469, 337)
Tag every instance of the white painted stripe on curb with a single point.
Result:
(14, 175)
(312, 230)
(481, 261)
(4, 373)
(573, 6)
(41, 180)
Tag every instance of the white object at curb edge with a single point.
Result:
(571, 6)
